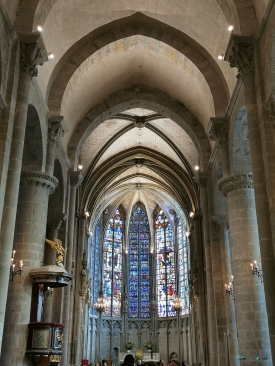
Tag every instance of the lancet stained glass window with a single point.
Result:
(112, 266)
(183, 268)
(139, 264)
(166, 276)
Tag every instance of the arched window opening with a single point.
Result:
(112, 266)
(183, 268)
(139, 264)
(166, 276)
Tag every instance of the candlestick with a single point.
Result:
(256, 271)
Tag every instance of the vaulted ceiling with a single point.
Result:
(136, 83)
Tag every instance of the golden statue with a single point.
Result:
(60, 251)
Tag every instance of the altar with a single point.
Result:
(146, 357)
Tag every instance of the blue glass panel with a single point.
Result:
(166, 280)
(139, 264)
(112, 266)
(183, 266)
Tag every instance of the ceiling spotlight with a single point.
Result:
(192, 214)
(126, 251)
(220, 57)
(80, 166)
(51, 55)
(39, 28)
(86, 213)
(197, 167)
(230, 28)
(187, 234)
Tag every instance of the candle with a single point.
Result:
(13, 253)
(11, 261)
(232, 278)
(251, 264)
(13, 267)
(21, 264)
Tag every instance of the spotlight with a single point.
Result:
(51, 55)
(39, 28)
(86, 213)
(220, 57)
(80, 167)
(230, 28)
(197, 167)
(192, 214)
(187, 234)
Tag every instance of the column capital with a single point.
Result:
(38, 179)
(220, 222)
(219, 131)
(236, 181)
(54, 131)
(240, 54)
(32, 53)
(76, 179)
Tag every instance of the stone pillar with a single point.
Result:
(53, 141)
(222, 227)
(31, 55)
(80, 292)
(211, 316)
(240, 54)
(197, 241)
(75, 180)
(253, 335)
(29, 242)
(219, 133)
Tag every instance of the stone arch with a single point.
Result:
(33, 145)
(30, 11)
(145, 97)
(137, 24)
(241, 162)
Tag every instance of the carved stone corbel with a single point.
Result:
(240, 54)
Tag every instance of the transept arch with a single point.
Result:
(137, 24)
(140, 96)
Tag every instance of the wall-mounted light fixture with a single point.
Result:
(256, 271)
(14, 271)
(229, 288)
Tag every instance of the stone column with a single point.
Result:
(75, 180)
(219, 133)
(222, 227)
(197, 241)
(31, 55)
(80, 289)
(29, 242)
(53, 141)
(253, 335)
(211, 316)
(240, 54)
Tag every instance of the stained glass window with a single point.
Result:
(166, 276)
(183, 268)
(112, 266)
(95, 244)
(139, 264)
